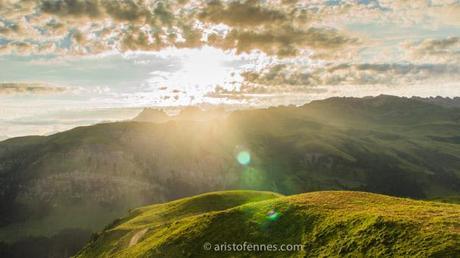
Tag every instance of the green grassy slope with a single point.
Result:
(328, 224)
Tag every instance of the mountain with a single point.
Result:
(325, 224)
(186, 114)
(383, 110)
(446, 102)
(152, 115)
(80, 180)
(197, 114)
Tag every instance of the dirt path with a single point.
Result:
(137, 236)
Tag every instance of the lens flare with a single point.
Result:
(244, 158)
(273, 215)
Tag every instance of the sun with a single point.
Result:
(206, 68)
(200, 71)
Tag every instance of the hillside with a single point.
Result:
(327, 224)
(94, 174)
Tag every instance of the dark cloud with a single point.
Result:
(290, 80)
(441, 50)
(7, 27)
(138, 24)
(136, 39)
(71, 7)
(121, 10)
(28, 88)
(247, 13)
(126, 10)
(352, 74)
(284, 41)
(283, 30)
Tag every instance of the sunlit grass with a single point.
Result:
(327, 223)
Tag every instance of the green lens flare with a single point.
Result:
(273, 215)
(244, 157)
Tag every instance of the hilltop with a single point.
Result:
(326, 223)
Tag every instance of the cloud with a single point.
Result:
(50, 27)
(282, 30)
(29, 88)
(80, 27)
(313, 29)
(120, 10)
(290, 76)
(70, 7)
(247, 13)
(445, 50)
(289, 83)
(404, 13)
(285, 41)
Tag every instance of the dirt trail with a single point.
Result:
(137, 236)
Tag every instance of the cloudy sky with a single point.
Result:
(65, 63)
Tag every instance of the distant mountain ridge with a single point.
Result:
(198, 114)
(152, 115)
(441, 101)
(186, 114)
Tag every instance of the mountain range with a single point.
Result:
(441, 101)
(77, 181)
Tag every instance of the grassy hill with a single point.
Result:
(84, 178)
(328, 224)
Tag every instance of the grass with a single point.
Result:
(335, 223)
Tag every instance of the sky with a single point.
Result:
(66, 63)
